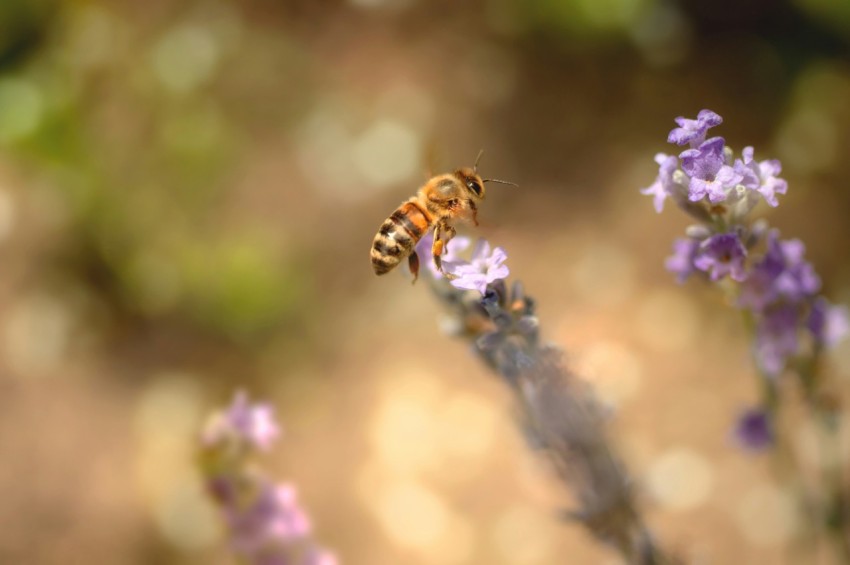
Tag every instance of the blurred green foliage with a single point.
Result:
(131, 132)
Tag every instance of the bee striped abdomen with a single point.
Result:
(398, 236)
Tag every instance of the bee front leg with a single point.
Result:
(450, 233)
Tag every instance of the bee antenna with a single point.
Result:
(501, 182)
(475, 167)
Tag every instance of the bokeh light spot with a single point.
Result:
(604, 274)
(185, 58)
(405, 432)
(7, 214)
(21, 108)
(524, 536)
(388, 153)
(681, 479)
(614, 370)
(186, 518)
(667, 320)
(766, 515)
(412, 515)
(36, 334)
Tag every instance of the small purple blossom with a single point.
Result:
(761, 176)
(829, 324)
(710, 175)
(664, 184)
(242, 421)
(681, 263)
(720, 255)
(484, 268)
(693, 131)
(753, 430)
(451, 250)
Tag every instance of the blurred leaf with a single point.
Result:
(22, 28)
(831, 13)
(241, 288)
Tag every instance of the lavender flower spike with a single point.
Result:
(484, 268)
(693, 131)
(265, 523)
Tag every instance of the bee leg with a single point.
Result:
(474, 210)
(413, 264)
(450, 234)
(437, 248)
(440, 245)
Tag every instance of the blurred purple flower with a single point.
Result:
(782, 272)
(664, 184)
(681, 263)
(693, 131)
(484, 268)
(265, 523)
(777, 338)
(242, 421)
(798, 281)
(710, 175)
(829, 324)
(720, 255)
(753, 431)
(273, 518)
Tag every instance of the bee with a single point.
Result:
(443, 200)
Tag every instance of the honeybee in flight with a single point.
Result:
(441, 201)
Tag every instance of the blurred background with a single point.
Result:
(188, 192)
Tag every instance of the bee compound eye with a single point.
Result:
(474, 186)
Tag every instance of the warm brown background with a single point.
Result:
(188, 191)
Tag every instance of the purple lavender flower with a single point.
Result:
(252, 424)
(798, 281)
(777, 338)
(761, 176)
(781, 272)
(710, 175)
(321, 557)
(753, 430)
(720, 255)
(455, 246)
(664, 184)
(829, 324)
(693, 131)
(265, 523)
(484, 268)
(681, 263)
(273, 518)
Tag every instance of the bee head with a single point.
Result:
(471, 181)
